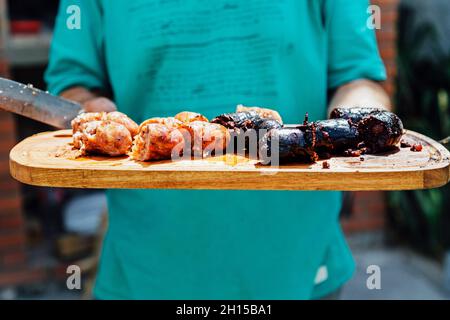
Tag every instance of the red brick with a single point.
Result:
(388, 17)
(390, 63)
(388, 52)
(10, 221)
(386, 38)
(9, 194)
(12, 240)
(386, 5)
(4, 165)
(372, 196)
(7, 126)
(12, 259)
(390, 89)
(385, 35)
(357, 225)
(4, 70)
(392, 72)
(22, 276)
(368, 212)
(392, 75)
(7, 183)
(5, 115)
(364, 195)
(6, 144)
(10, 212)
(366, 198)
(9, 139)
(11, 202)
(60, 271)
(369, 209)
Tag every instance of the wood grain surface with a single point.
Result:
(46, 159)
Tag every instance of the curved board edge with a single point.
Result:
(36, 175)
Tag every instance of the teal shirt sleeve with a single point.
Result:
(77, 56)
(352, 46)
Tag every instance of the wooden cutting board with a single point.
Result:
(46, 159)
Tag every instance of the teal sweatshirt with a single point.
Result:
(162, 57)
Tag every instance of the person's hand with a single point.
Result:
(360, 93)
(99, 104)
(91, 101)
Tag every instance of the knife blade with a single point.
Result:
(37, 105)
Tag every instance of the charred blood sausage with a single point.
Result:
(243, 121)
(380, 131)
(240, 124)
(354, 114)
(267, 124)
(293, 144)
(262, 112)
(237, 121)
(335, 135)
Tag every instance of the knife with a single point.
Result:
(37, 105)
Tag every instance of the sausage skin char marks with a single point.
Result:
(353, 114)
(349, 132)
(103, 133)
(207, 138)
(289, 145)
(187, 116)
(247, 127)
(380, 131)
(115, 116)
(262, 112)
(246, 120)
(335, 136)
(186, 134)
(364, 130)
(158, 141)
(237, 121)
(102, 137)
(168, 121)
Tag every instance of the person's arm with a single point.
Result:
(91, 101)
(77, 69)
(360, 93)
(354, 64)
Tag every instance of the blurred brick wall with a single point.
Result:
(12, 232)
(369, 208)
(12, 226)
(387, 39)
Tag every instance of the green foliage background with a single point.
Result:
(422, 101)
